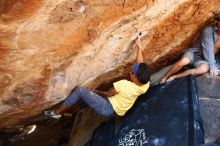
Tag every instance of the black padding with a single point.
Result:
(167, 115)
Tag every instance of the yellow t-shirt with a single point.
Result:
(127, 93)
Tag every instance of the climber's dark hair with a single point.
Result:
(217, 17)
(143, 73)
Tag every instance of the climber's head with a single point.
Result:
(217, 20)
(140, 72)
(217, 17)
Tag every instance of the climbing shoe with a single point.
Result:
(52, 114)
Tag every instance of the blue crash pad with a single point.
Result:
(167, 115)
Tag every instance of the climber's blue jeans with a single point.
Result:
(100, 104)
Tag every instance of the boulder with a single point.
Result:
(47, 47)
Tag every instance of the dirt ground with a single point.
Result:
(48, 132)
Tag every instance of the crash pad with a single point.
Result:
(166, 115)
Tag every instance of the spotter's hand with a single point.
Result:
(214, 72)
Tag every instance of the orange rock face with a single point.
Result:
(47, 47)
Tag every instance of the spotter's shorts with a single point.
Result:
(195, 58)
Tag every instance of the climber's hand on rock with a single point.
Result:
(138, 41)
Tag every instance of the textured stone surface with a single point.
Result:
(85, 123)
(47, 47)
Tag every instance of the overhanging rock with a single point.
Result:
(47, 47)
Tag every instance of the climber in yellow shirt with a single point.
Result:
(118, 99)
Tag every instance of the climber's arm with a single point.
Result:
(139, 58)
(108, 93)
